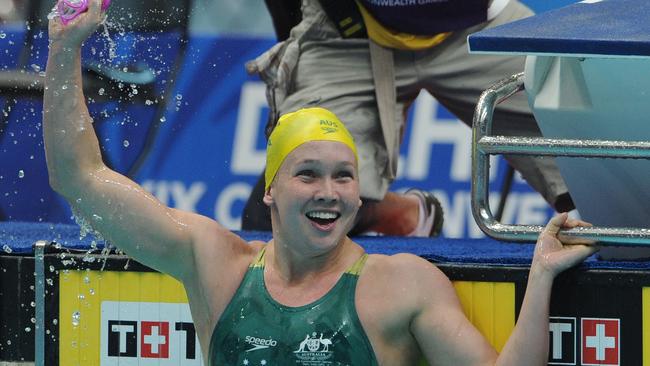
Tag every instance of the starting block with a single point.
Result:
(587, 78)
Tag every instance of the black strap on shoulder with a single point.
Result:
(346, 16)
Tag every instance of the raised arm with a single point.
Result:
(116, 207)
(528, 343)
(446, 336)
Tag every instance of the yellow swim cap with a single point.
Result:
(296, 128)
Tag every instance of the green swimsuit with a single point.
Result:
(254, 329)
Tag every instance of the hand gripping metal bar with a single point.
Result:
(484, 145)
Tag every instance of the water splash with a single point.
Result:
(112, 45)
(53, 13)
(76, 318)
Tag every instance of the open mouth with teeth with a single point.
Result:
(323, 218)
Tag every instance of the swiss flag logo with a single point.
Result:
(601, 341)
(155, 340)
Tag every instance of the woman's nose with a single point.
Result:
(326, 191)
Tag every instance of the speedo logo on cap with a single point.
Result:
(260, 343)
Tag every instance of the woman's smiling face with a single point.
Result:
(315, 194)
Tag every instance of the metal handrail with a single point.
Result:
(484, 145)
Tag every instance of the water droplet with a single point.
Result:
(21, 174)
(36, 67)
(64, 86)
(55, 321)
(76, 316)
(3, 35)
(179, 97)
(125, 143)
(163, 119)
(51, 268)
(54, 13)
(28, 329)
(101, 91)
(7, 249)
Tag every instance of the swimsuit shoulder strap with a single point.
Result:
(259, 259)
(357, 266)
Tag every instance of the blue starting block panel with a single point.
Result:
(612, 28)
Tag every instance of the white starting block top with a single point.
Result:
(587, 76)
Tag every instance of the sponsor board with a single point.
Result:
(599, 321)
(125, 318)
(145, 333)
(562, 342)
(600, 341)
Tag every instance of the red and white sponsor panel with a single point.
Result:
(148, 333)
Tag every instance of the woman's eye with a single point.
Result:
(306, 174)
(344, 174)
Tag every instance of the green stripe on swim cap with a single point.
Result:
(295, 128)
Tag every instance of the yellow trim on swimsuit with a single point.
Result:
(355, 268)
(259, 259)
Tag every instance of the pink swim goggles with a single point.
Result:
(70, 9)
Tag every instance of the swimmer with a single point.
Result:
(311, 293)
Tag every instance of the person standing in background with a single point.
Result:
(367, 61)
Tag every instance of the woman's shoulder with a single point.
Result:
(406, 269)
(399, 261)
